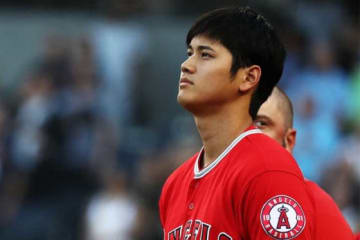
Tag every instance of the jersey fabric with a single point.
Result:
(253, 191)
(329, 223)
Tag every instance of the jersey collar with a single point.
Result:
(201, 173)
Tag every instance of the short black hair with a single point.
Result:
(251, 39)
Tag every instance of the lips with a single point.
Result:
(185, 81)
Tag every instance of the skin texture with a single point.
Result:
(273, 120)
(218, 100)
(208, 70)
(208, 83)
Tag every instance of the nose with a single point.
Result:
(188, 66)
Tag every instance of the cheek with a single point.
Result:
(218, 70)
(268, 131)
(215, 78)
(274, 134)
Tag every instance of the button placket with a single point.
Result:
(193, 187)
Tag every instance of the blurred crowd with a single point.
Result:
(80, 159)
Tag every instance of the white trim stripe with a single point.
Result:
(203, 172)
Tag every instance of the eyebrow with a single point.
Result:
(264, 117)
(202, 47)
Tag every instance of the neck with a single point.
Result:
(219, 129)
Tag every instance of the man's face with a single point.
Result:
(270, 119)
(205, 78)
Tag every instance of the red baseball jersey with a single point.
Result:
(329, 221)
(357, 236)
(254, 190)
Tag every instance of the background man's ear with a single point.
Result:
(250, 78)
(290, 139)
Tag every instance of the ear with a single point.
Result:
(249, 78)
(290, 139)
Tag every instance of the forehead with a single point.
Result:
(271, 109)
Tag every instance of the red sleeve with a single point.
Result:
(330, 223)
(357, 237)
(276, 205)
(162, 207)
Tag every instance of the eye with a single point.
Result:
(189, 53)
(260, 123)
(205, 55)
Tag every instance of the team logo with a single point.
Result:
(282, 217)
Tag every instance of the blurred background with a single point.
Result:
(89, 123)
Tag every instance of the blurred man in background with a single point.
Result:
(275, 119)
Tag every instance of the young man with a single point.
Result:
(275, 119)
(242, 184)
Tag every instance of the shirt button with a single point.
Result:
(191, 206)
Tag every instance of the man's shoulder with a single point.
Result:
(263, 143)
(331, 223)
(175, 182)
(321, 198)
(265, 154)
(185, 170)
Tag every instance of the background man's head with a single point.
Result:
(251, 40)
(275, 119)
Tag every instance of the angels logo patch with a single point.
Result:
(282, 217)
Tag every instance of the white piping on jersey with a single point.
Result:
(203, 172)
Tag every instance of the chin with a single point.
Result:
(185, 102)
(181, 99)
